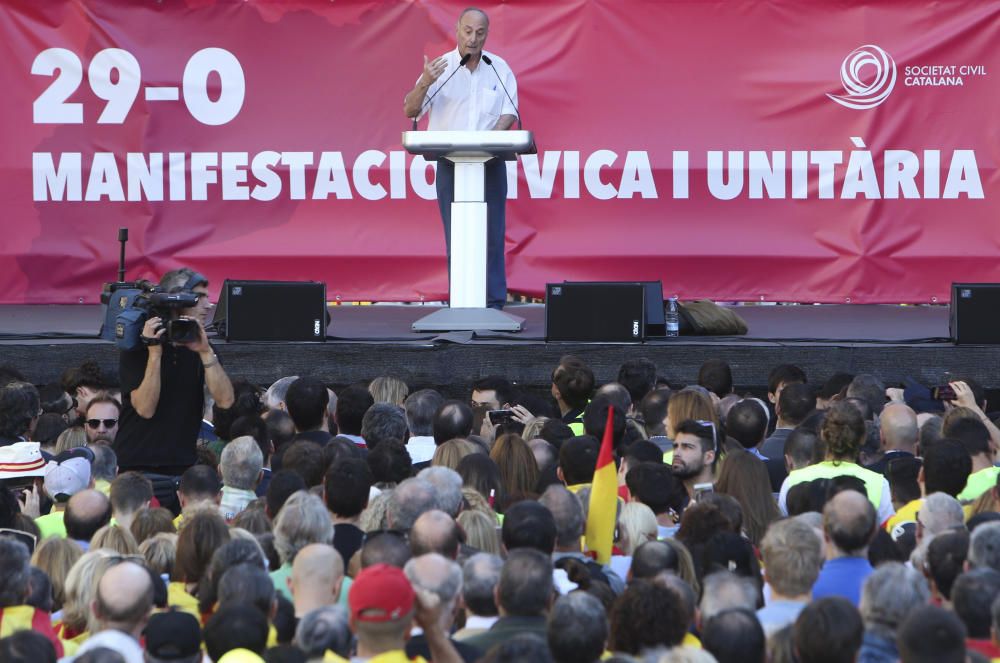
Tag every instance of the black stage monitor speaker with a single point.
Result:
(975, 309)
(272, 311)
(656, 321)
(611, 311)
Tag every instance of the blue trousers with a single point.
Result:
(495, 193)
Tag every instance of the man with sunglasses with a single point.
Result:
(101, 420)
(163, 390)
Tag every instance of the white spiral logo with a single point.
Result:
(861, 95)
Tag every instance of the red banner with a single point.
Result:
(737, 150)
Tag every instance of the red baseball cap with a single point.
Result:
(380, 593)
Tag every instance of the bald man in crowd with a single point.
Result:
(849, 524)
(121, 608)
(317, 578)
(898, 431)
(435, 532)
(86, 512)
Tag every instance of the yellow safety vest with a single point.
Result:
(829, 469)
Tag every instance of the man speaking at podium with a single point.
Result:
(474, 101)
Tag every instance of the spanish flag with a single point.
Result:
(603, 507)
(27, 618)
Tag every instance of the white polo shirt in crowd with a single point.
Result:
(472, 100)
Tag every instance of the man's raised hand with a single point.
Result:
(434, 68)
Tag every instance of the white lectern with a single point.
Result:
(469, 150)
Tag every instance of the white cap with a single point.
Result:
(67, 478)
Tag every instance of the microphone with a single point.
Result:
(489, 62)
(461, 63)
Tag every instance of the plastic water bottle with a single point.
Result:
(673, 318)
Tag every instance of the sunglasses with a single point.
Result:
(121, 557)
(108, 423)
(710, 425)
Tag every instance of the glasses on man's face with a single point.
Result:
(96, 423)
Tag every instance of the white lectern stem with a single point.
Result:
(468, 234)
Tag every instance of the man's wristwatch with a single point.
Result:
(211, 362)
(147, 341)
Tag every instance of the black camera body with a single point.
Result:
(130, 304)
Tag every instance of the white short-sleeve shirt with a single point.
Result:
(472, 100)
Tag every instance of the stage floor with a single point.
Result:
(366, 341)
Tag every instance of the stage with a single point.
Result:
(892, 342)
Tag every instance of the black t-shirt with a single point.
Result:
(166, 442)
(347, 539)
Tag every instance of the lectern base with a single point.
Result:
(468, 319)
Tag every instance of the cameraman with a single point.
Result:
(163, 387)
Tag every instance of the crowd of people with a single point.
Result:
(825, 522)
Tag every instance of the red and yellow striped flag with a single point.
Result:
(603, 507)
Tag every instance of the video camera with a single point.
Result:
(128, 304)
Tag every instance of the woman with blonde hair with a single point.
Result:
(114, 538)
(451, 453)
(636, 525)
(480, 531)
(376, 515)
(160, 552)
(533, 428)
(474, 501)
(81, 589)
(56, 556)
(387, 389)
(685, 564)
(518, 469)
(689, 404)
(71, 438)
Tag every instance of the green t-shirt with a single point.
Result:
(52, 525)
